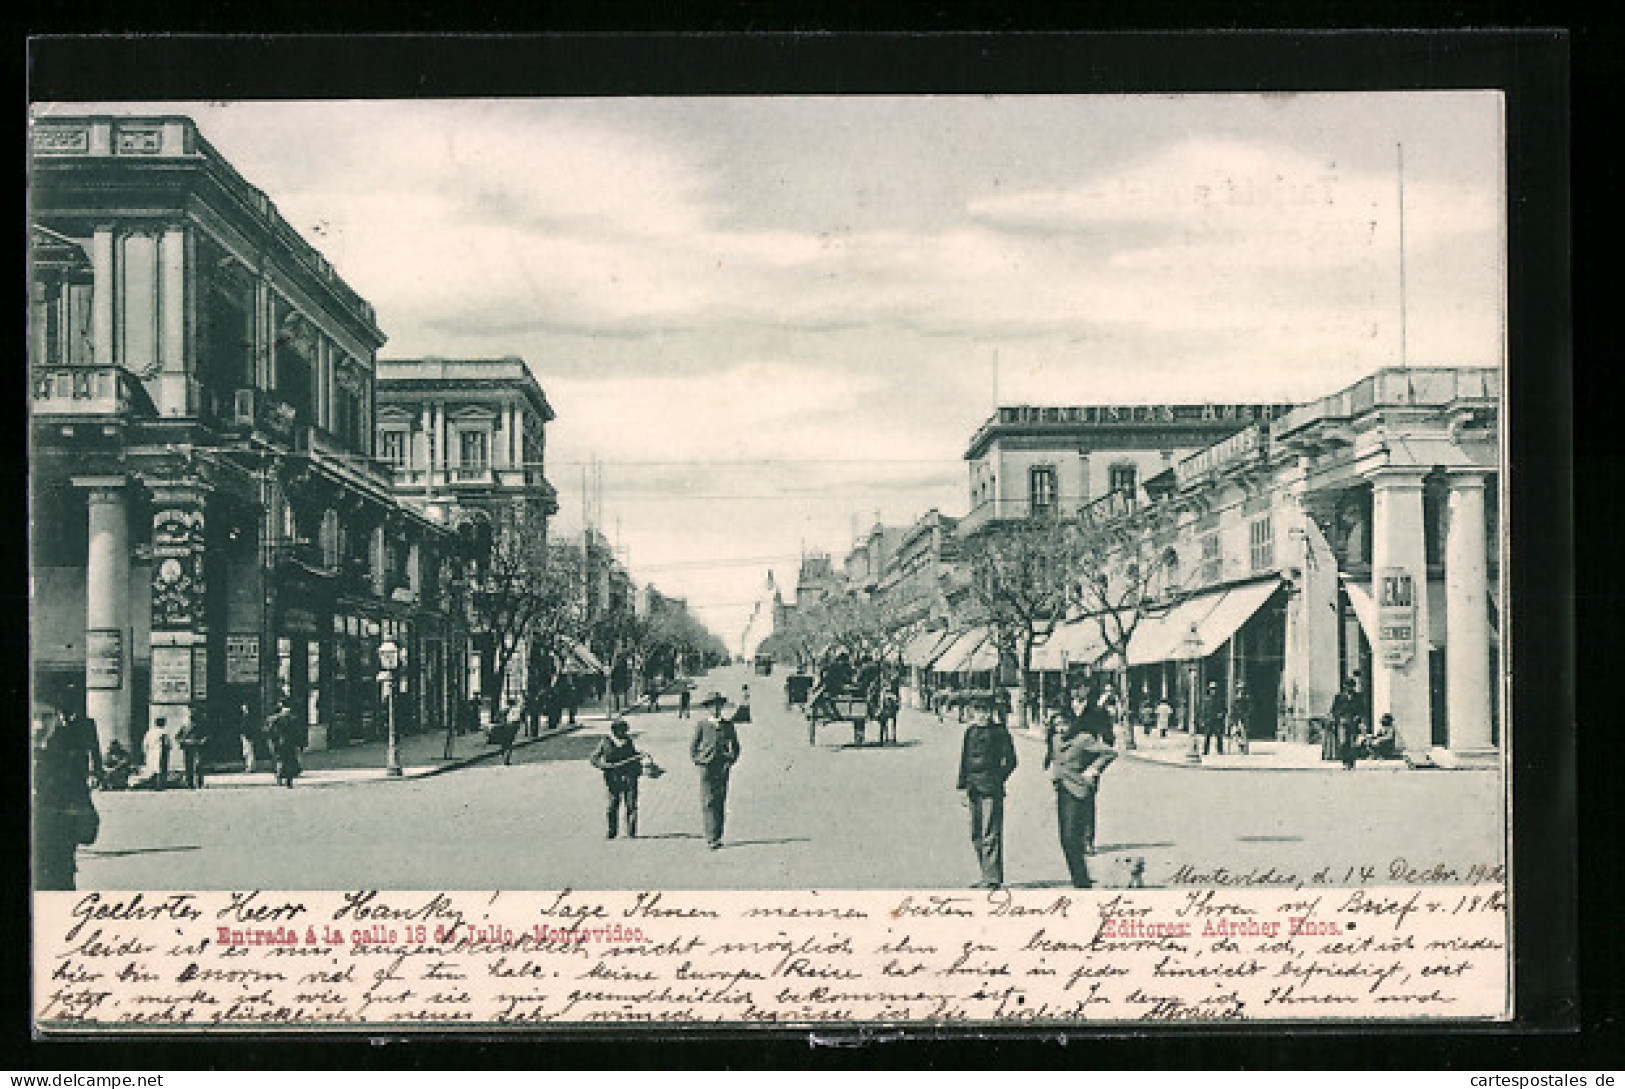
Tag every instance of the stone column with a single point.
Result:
(1467, 625)
(101, 296)
(107, 609)
(1400, 687)
(179, 626)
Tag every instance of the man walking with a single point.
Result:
(287, 739)
(684, 697)
(191, 741)
(986, 759)
(622, 764)
(714, 748)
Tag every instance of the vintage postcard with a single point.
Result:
(1026, 560)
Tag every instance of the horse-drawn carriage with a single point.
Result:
(796, 687)
(826, 708)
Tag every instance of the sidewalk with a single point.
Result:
(421, 756)
(1174, 750)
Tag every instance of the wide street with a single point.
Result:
(800, 817)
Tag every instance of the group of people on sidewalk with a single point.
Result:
(1345, 736)
(167, 756)
(713, 747)
(1078, 748)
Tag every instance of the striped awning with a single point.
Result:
(1076, 642)
(973, 651)
(1214, 616)
(922, 650)
(578, 659)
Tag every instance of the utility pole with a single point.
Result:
(1402, 331)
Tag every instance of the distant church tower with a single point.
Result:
(762, 616)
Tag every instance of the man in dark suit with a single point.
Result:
(1213, 718)
(986, 759)
(714, 748)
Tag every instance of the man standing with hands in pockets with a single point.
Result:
(714, 748)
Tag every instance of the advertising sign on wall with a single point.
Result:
(171, 674)
(242, 659)
(1396, 616)
(104, 658)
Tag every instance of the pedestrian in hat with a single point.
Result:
(1213, 718)
(1077, 757)
(622, 764)
(986, 759)
(714, 748)
(286, 741)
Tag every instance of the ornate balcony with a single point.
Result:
(89, 391)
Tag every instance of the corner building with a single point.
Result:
(1355, 536)
(210, 528)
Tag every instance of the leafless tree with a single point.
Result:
(517, 593)
(1023, 576)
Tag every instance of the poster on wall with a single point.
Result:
(104, 658)
(171, 674)
(242, 659)
(1396, 616)
(200, 673)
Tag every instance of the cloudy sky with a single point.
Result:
(770, 319)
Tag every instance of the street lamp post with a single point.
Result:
(1191, 651)
(389, 659)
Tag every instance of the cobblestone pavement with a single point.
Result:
(824, 816)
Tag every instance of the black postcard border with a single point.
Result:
(1531, 67)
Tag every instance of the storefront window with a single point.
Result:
(284, 668)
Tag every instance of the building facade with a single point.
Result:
(211, 531)
(465, 442)
(1355, 537)
(913, 586)
(1040, 460)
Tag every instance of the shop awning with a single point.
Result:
(1216, 615)
(922, 649)
(984, 657)
(957, 648)
(1077, 642)
(578, 659)
(965, 652)
(1365, 609)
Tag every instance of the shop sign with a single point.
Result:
(299, 621)
(200, 673)
(1396, 616)
(171, 674)
(104, 658)
(242, 659)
